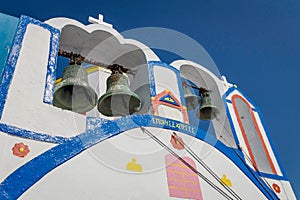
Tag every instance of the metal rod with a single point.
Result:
(79, 59)
(201, 89)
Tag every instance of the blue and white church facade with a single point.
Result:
(165, 149)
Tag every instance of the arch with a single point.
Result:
(61, 22)
(252, 135)
(202, 77)
(106, 46)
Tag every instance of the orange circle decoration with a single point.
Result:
(177, 142)
(20, 149)
(276, 188)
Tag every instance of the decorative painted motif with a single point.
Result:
(177, 142)
(226, 181)
(133, 166)
(276, 188)
(168, 99)
(20, 149)
(182, 181)
(97, 131)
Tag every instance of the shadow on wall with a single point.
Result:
(219, 126)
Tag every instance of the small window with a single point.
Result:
(252, 135)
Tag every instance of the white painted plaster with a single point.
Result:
(24, 107)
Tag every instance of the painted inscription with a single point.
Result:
(174, 124)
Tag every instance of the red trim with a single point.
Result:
(242, 128)
(257, 129)
(185, 115)
(263, 143)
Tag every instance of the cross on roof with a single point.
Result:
(99, 21)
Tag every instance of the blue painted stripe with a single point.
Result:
(256, 109)
(27, 175)
(229, 117)
(272, 176)
(271, 144)
(162, 64)
(9, 69)
(230, 90)
(235, 156)
(175, 70)
(52, 62)
(98, 130)
(30, 173)
(15, 131)
(151, 79)
(228, 101)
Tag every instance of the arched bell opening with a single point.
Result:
(138, 77)
(95, 52)
(217, 124)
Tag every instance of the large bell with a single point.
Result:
(191, 100)
(118, 100)
(207, 111)
(73, 92)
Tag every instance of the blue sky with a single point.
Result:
(255, 44)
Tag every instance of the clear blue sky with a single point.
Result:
(255, 44)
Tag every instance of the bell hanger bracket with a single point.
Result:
(79, 59)
(201, 90)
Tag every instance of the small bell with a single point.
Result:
(191, 100)
(207, 111)
(118, 100)
(73, 92)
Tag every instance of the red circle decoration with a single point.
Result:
(177, 142)
(276, 188)
(20, 149)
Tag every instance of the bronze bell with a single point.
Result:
(118, 100)
(207, 111)
(191, 100)
(73, 92)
